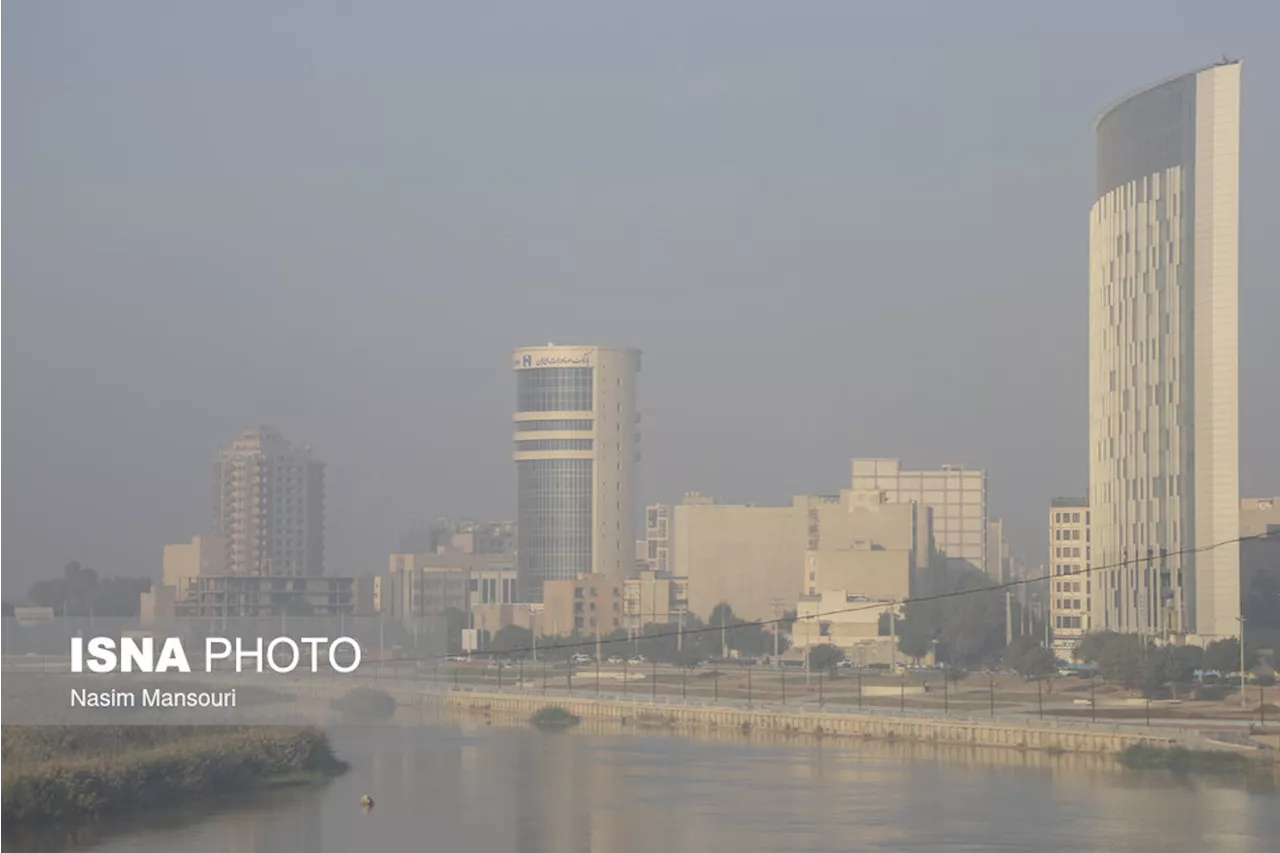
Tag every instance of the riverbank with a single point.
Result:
(75, 774)
(1002, 733)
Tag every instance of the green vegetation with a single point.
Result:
(366, 703)
(1145, 757)
(825, 656)
(81, 592)
(1132, 661)
(1027, 657)
(65, 774)
(554, 718)
(969, 629)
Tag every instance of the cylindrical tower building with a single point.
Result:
(576, 448)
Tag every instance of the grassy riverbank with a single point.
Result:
(69, 774)
(1193, 760)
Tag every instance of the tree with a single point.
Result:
(511, 640)
(969, 622)
(825, 656)
(1029, 659)
(1182, 663)
(81, 592)
(1122, 658)
(1224, 656)
(746, 638)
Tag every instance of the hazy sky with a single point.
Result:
(835, 229)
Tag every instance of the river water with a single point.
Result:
(468, 787)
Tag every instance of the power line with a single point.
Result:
(877, 605)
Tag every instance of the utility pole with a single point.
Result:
(680, 633)
(1243, 703)
(724, 639)
(778, 605)
(1008, 616)
(893, 639)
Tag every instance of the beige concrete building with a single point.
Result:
(428, 584)
(748, 556)
(865, 545)
(760, 560)
(957, 497)
(257, 597)
(659, 538)
(1070, 578)
(576, 447)
(203, 555)
(1260, 556)
(269, 506)
(588, 604)
(495, 617)
(653, 597)
(856, 624)
(1163, 358)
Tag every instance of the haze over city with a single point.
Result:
(833, 230)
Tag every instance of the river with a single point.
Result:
(450, 787)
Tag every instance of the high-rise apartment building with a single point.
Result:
(1163, 360)
(269, 506)
(576, 437)
(1070, 581)
(957, 496)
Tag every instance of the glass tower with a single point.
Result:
(576, 434)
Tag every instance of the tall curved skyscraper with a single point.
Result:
(576, 439)
(1163, 360)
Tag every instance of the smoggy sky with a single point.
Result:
(835, 229)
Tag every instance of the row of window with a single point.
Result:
(1066, 535)
(1067, 604)
(1068, 622)
(1069, 518)
(554, 444)
(1067, 551)
(555, 389)
(555, 424)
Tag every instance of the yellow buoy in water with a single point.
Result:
(366, 802)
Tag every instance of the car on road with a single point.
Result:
(581, 658)
(615, 660)
(637, 660)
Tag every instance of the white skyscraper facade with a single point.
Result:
(576, 440)
(1163, 359)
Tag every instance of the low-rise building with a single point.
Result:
(259, 596)
(588, 605)
(858, 625)
(1260, 560)
(203, 555)
(654, 598)
(430, 583)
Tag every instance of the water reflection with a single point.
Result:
(494, 787)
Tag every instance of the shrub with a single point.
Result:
(366, 703)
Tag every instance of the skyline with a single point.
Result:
(704, 251)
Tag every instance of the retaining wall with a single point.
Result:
(1016, 734)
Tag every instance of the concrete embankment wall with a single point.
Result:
(1006, 733)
